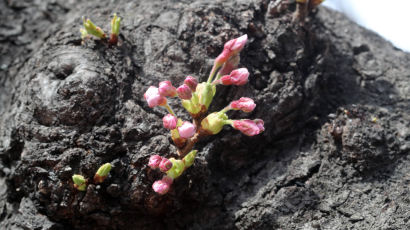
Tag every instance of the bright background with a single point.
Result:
(389, 18)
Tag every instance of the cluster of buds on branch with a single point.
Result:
(196, 98)
(80, 183)
(90, 29)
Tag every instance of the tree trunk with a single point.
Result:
(334, 98)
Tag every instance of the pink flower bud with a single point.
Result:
(165, 165)
(191, 82)
(169, 121)
(249, 127)
(162, 186)
(153, 97)
(166, 89)
(154, 161)
(237, 77)
(184, 92)
(231, 48)
(244, 103)
(186, 130)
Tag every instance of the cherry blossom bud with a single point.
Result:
(184, 92)
(169, 121)
(162, 186)
(231, 48)
(153, 97)
(214, 122)
(165, 165)
(166, 89)
(237, 77)
(186, 130)
(249, 127)
(244, 103)
(191, 82)
(154, 161)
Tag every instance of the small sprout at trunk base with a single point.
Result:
(80, 183)
(102, 173)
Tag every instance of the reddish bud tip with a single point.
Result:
(154, 161)
(161, 186)
(153, 97)
(187, 130)
(191, 82)
(244, 103)
(165, 165)
(184, 92)
(166, 89)
(249, 127)
(169, 121)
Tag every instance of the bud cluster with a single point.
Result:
(196, 98)
(90, 29)
(80, 183)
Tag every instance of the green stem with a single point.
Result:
(228, 122)
(226, 109)
(169, 109)
(213, 71)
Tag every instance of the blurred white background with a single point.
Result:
(389, 18)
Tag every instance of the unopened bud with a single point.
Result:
(169, 121)
(165, 165)
(237, 77)
(249, 127)
(184, 92)
(244, 103)
(162, 186)
(102, 173)
(154, 161)
(214, 122)
(153, 97)
(191, 82)
(80, 183)
(186, 130)
(231, 48)
(166, 89)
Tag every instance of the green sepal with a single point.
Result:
(80, 183)
(190, 158)
(177, 169)
(206, 92)
(104, 170)
(214, 122)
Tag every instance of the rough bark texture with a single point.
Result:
(323, 162)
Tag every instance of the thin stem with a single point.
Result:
(169, 109)
(218, 76)
(213, 71)
(226, 109)
(228, 122)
